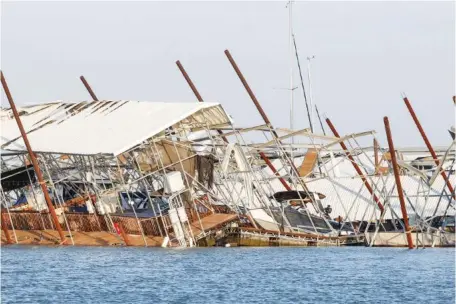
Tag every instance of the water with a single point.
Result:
(227, 275)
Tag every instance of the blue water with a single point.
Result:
(226, 275)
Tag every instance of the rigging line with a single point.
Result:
(302, 83)
(319, 118)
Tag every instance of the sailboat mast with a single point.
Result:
(290, 45)
(302, 84)
(309, 59)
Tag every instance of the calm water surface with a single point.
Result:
(227, 275)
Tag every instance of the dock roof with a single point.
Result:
(102, 127)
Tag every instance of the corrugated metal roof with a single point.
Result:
(108, 127)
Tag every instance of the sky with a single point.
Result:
(366, 54)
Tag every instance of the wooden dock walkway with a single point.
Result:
(211, 222)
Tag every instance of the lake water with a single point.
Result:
(227, 275)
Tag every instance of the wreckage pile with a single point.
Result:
(182, 173)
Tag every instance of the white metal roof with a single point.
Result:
(31, 116)
(108, 127)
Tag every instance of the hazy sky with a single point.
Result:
(367, 53)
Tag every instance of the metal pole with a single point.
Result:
(189, 81)
(310, 90)
(195, 91)
(124, 234)
(319, 119)
(249, 91)
(5, 228)
(200, 99)
(257, 105)
(36, 167)
(87, 86)
(400, 192)
(376, 155)
(290, 46)
(355, 165)
(429, 146)
(273, 169)
(302, 85)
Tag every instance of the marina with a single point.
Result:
(227, 152)
(183, 175)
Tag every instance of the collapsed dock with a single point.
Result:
(134, 173)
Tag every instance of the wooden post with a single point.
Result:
(36, 167)
(400, 192)
(429, 146)
(355, 165)
(5, 228)
(89, 89)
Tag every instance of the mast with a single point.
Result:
(310, 88)
(302, 84)
(290, 49)
(319, 119)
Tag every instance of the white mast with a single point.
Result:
(311, 106)
(290, 40)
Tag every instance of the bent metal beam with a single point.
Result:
(36, 167)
